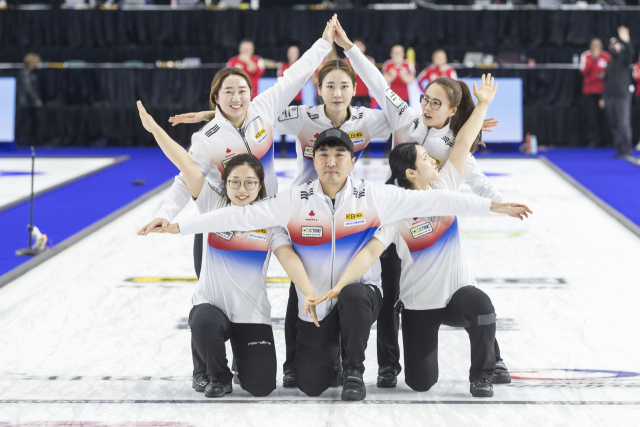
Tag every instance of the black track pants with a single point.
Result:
(290, 330)
(389, 320)
(252, 344)
(352, 316)
(469, 308)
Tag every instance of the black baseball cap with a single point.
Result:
(334, 134)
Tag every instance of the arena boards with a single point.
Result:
(82, 342)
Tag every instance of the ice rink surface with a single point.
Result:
(98, 335)
(50, 172)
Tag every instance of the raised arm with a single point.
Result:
(274, 100)
(470, 130)
(294, 268)
(174, 152)
(479, 183)
(397, 112)
(359, 265)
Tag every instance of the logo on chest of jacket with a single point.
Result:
(311, 232)
(308, 152)
(447, 141)
(354, 219)
(226, 235)
(311, 216)
(421, 230)
(357, 137)
(259, 234)
(261, 135)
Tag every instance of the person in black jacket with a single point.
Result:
(28, 93)
(617, 97)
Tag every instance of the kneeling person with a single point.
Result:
(329, 220)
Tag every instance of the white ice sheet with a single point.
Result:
(78, 342)
(15, 174)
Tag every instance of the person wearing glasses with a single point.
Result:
(446, 107)
(230, 301)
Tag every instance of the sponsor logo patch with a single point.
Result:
(261, 136)
(421, 230)
(311, 231)
(355, 222)
(308, 152)
(355, 215)
(395, 99)
(259, 234)
(226, 235)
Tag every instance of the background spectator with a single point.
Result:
(399, 72)
(361, 97)
(28, 92)
(617, 99)
(293, 53)
(439, 68)
(636, 101)
(250, 63)
(593, 64)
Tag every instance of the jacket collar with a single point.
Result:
(221, 120)
(324, 116)
(345, 192)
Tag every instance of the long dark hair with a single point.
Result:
(254, 163)
(459, 97)
(401, 158)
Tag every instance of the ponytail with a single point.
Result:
(401, 158)
(459, 97)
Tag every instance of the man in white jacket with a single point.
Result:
(329, 220)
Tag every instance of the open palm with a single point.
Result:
(487, 89)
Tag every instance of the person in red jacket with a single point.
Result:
(636, 101)
(439, 68)
(593, 64)
(361, 97)
(249, 63)
(293, 53)
(399, 72)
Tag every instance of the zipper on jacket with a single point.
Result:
(333, 243)
(242, 134)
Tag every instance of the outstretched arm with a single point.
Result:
(295, 270)
(174, 152)
(359, 265)
(470, 130)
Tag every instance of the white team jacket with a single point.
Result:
(326, 238)
(307, 122)
(219, 140)
(407, 126)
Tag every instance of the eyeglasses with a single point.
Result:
(248, 185)
(435, 104)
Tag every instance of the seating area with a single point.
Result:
(96, 63)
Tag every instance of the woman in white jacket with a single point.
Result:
(230, 301)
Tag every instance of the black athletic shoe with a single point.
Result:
(500, 374)
(337, 378)
(236, 378)
(387, 377)
(218, 389)
(289, 380)
(200, 381)
(481, 388)
(354, 388)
